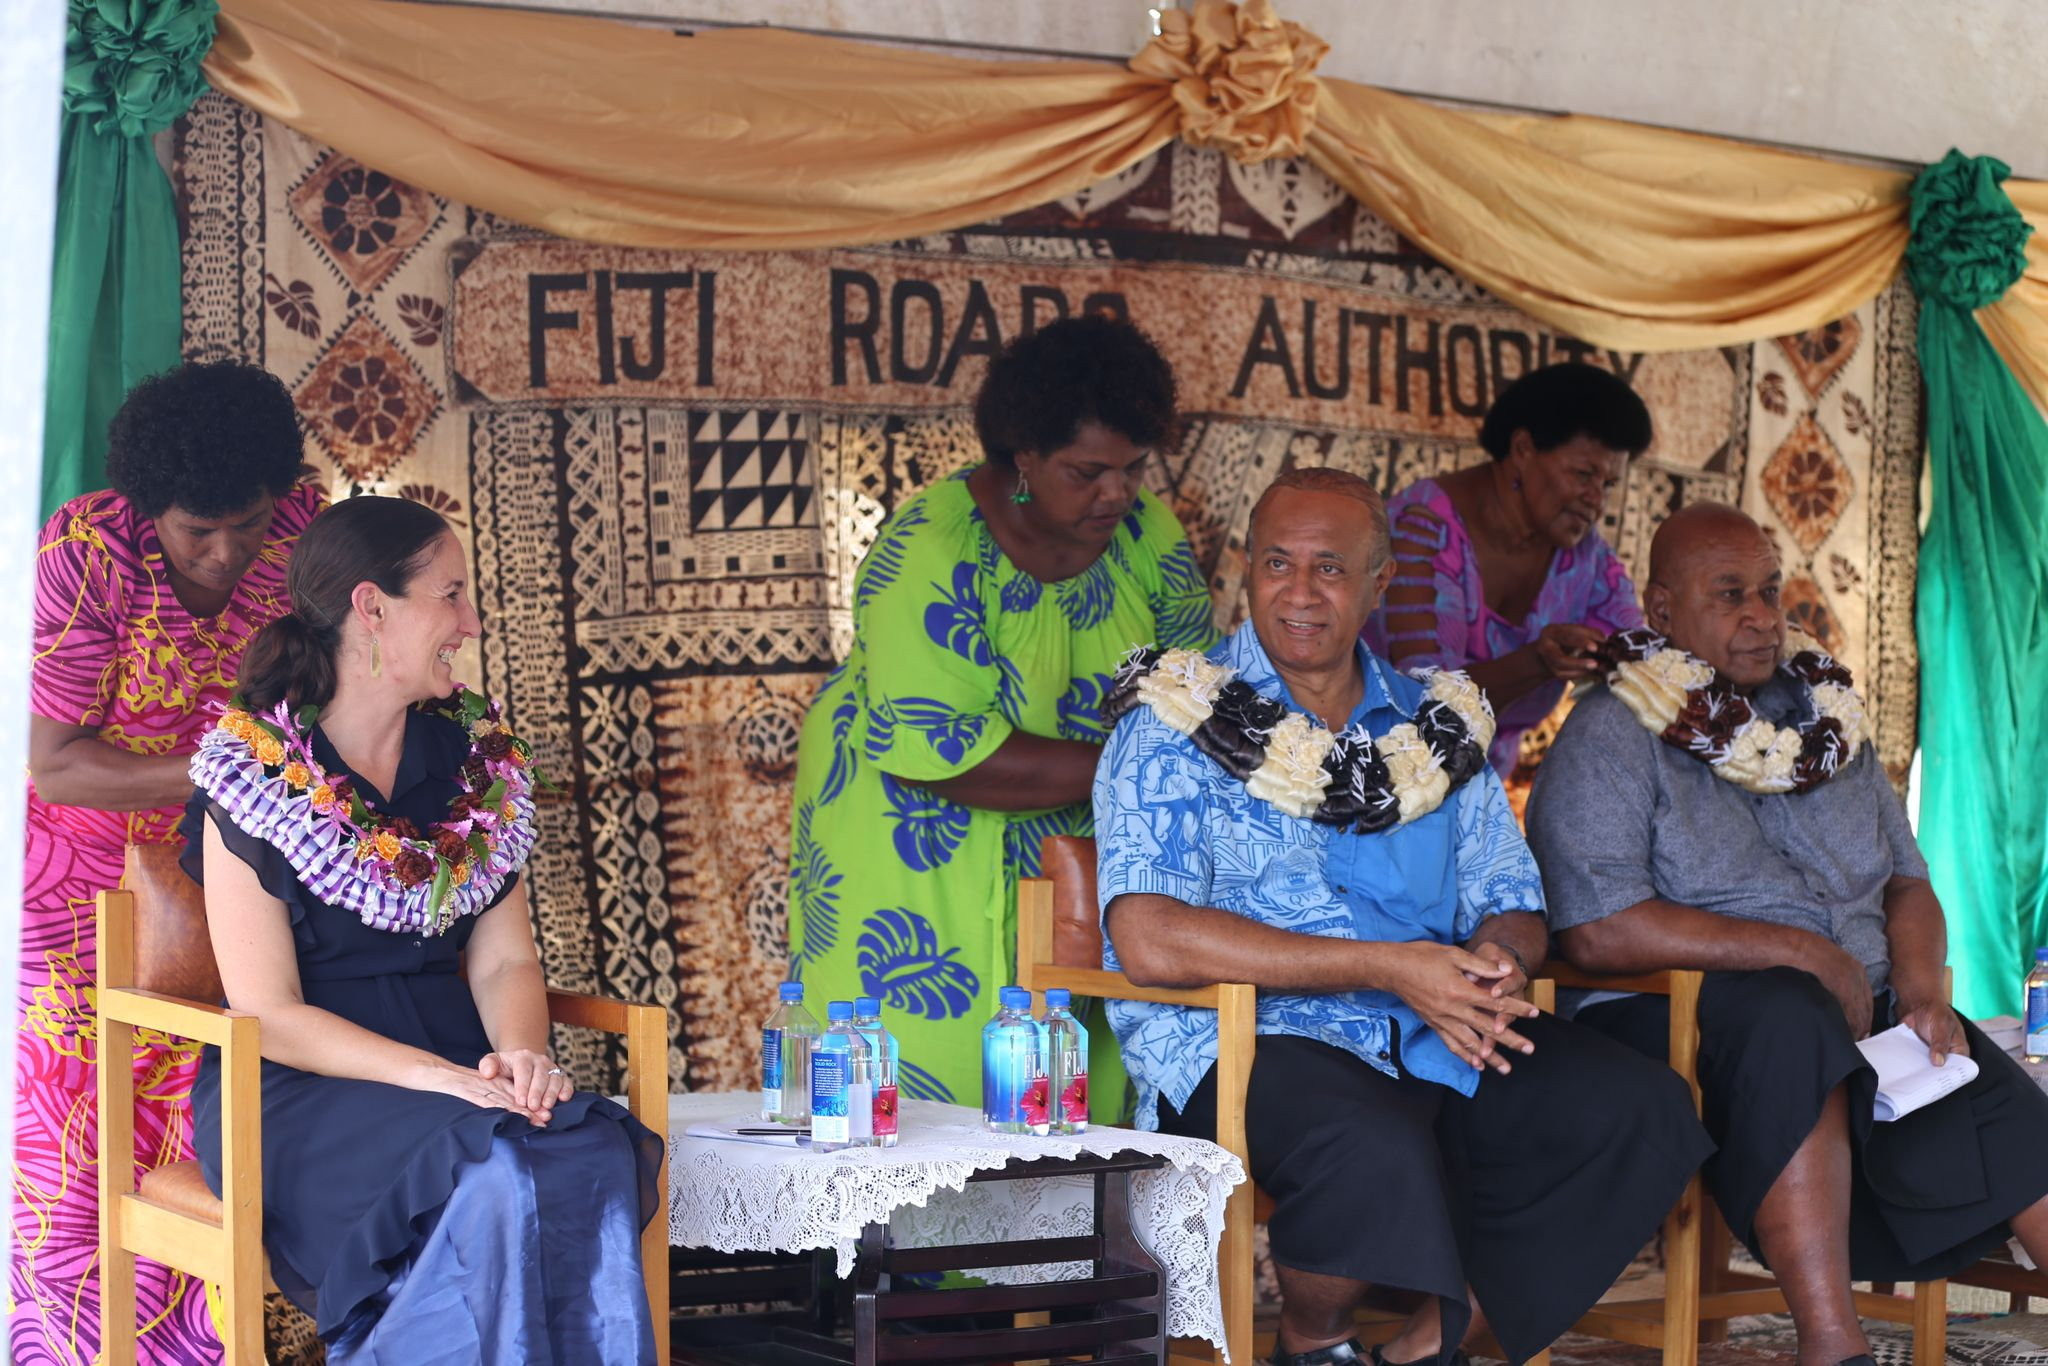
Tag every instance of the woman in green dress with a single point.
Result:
(963, 728)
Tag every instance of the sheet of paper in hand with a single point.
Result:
(1906, 1077)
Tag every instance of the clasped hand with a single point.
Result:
(521, 1080)
(1469, 997)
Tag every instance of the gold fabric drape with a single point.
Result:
(2018, 323)
(1631, 237)
(1636, 238)
(754, 138)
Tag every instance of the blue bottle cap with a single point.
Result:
(1015, 998)
(839, 1010)
(2041, 955)
(1058, 996)
(792, 991)
(867, 1007)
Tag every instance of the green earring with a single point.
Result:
(1023, 493)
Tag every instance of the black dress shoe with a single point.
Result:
(1458, 1358)
(1336, 1354)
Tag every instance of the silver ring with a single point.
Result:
(554, 1071)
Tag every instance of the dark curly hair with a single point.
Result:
(1093, 368)
(1563, 401)
(207, 437)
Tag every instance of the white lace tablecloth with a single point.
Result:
(740, 1197)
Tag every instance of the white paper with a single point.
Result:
(1907, 1078)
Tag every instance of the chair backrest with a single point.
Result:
(173, 953)
(1068, 862)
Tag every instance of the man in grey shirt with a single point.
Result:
(1811, 913)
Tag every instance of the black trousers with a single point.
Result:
(1536, 1191)
(1930, 1193)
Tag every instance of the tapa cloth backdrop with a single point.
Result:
(667, 464)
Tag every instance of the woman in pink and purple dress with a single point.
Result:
(145, 595)
(1499, 570)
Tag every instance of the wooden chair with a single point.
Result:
(2001, 1271)
(1700, 1289)
(1059, 944)
(156, 972)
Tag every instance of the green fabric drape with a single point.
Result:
(131, 67)
(1983, 592)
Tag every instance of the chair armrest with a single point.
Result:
(170, 1015)
(1114, 986)
(604, 1013)
(1565, 975)
(1682, 985)
(645, 1029)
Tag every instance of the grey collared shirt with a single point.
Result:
(1618, 817)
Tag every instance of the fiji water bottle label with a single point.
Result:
(860, 1112)
(885, 1111)
(2037, 1021)
(771, 1072)
(1005, 1075)
(1074, 1100)
(829, 1122)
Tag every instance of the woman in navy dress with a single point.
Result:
(435, 1188)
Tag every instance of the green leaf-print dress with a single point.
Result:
(896, 892)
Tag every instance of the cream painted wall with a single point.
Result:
(1896, 79)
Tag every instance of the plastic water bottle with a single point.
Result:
(1014, 1089)
(867, 1018)
(786, 1059)
(841, 1106)
(2037, 1008)
(1066, 1062)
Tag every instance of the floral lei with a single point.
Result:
(260, 769)
(1680, 698)
(1349, 780)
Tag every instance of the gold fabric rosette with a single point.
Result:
(1293, 777)
(1241, 77)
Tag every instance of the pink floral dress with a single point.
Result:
(114, 649)
(1587, 585)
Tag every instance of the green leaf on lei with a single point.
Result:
(437, 894)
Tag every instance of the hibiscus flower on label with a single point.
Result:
(1074, 1104)
(1037, 1104)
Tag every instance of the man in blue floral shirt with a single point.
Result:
(1416, 1124)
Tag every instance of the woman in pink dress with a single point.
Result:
(1500, 569)
(145, 595)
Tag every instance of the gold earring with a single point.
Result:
(376, 660)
